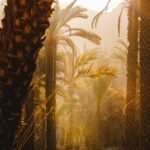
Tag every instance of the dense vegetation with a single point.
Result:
(58, 94)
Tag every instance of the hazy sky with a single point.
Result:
(95, 5)
(108, 23)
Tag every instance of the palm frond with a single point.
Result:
(104, 71)
(119, 19)
(107, 71)
(86, 35)
(100, 88)
(86, 57)
(64, 40)
(70, 13)
(96, 18)
(101, 71)
(121, 53)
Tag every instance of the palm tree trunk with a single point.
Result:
(29, 119)
(40, 117)
(131, 127)
(20, 40)
(145, 73)
(50, 93)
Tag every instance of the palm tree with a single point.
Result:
(20, 39)
(131, 126)
(58, 36)
(72, 79)
(145, 73)
(56, 41)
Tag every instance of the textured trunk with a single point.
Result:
(51, 47)
(69, 135)
(29, 120)
(145, 73)
(25, 136)
(40, 117)
(131, 127)
(20, 40)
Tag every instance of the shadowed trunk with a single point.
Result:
(131, 127)
(50, 93)
(20, 40)
(29, 120)
(145, 73)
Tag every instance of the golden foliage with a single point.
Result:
(60, 31)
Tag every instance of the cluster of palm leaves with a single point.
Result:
(124, 5)
(77, 73)
(74, 67)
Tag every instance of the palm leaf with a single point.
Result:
(74, 12)
(64, 40)
(86, 35)
(100, 88)
(99, 72)
(96, 18)
(119, 20)
(86, 57)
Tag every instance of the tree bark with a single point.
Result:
(131, 127)
(50, 82)
(20, 40)
(145, 73)
(29, 120)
